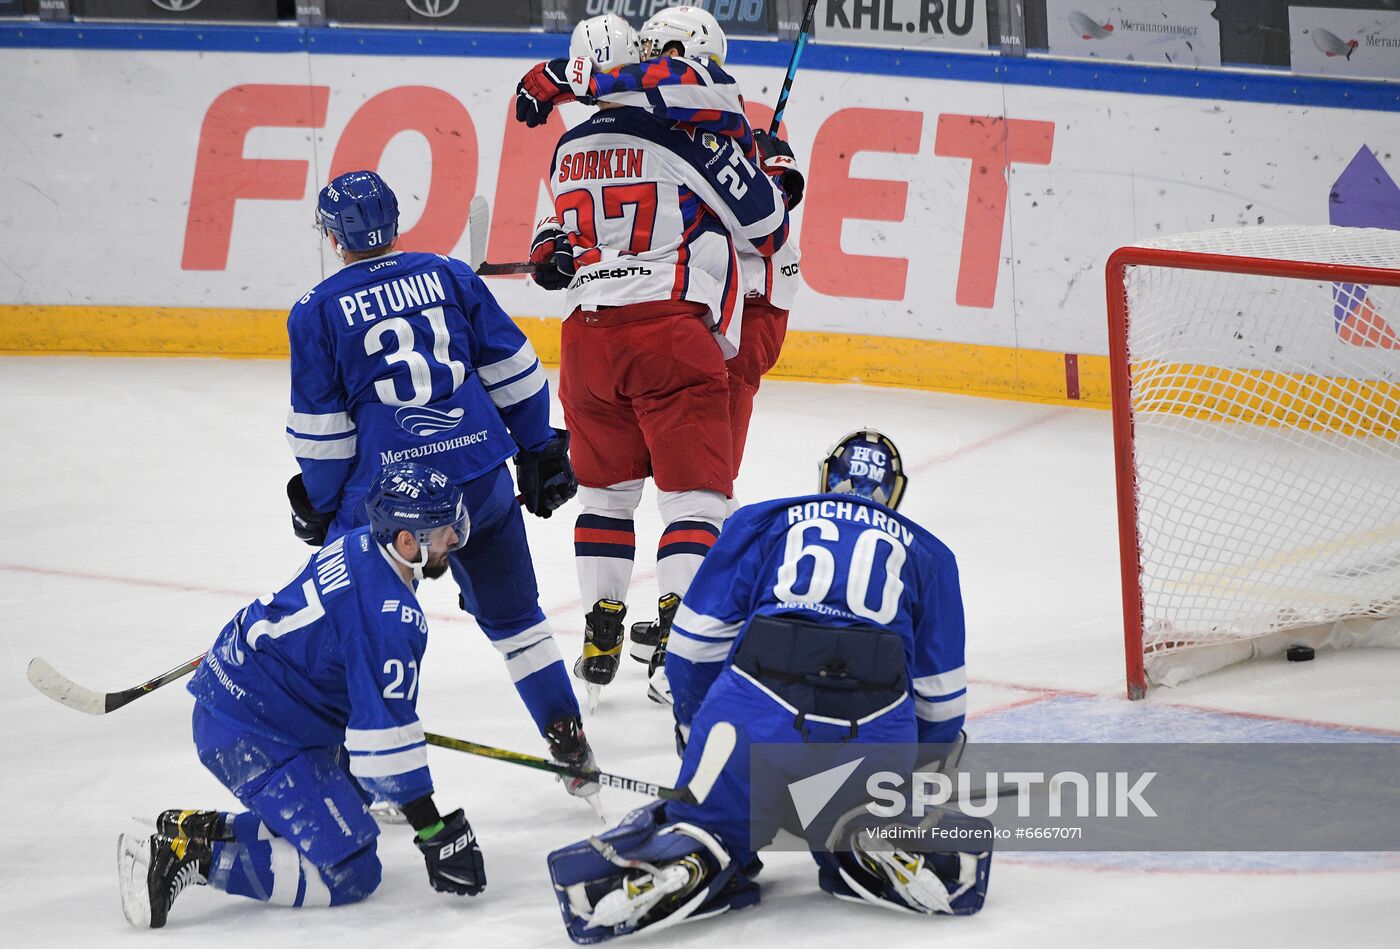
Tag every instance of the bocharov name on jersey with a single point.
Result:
(406, 294)
(855, 513)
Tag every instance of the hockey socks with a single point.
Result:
(604, 551)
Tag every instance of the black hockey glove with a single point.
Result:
(307, 523)
(453, 858)
(545, 477)
(552, 250)
(776, 159)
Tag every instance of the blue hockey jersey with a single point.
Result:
(835, 559)
(330, 659)
(407, 357)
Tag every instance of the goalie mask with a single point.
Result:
(864, 463)
(608, 40)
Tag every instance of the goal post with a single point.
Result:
(1256, 416)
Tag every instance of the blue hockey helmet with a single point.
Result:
(864, 463)
(360, 210)
(407, 496)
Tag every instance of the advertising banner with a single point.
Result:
(968, 213)
(1180, 32)
(904, 24)
(735, 17)
(1340, 42)
(520, 14)
(243, 11)
(11, 8)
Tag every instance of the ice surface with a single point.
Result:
(144, 504)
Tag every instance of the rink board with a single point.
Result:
(959, 213)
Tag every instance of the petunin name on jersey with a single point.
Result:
(855, 513)
(403, 295)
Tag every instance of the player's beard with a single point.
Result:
(435, 568)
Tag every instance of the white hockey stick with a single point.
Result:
(65, 691)
(478, 231)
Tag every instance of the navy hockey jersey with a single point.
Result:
(651, 206)
(330, 659)
(407, 357)
(835, 559)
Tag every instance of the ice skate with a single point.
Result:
(205, 826)
(658, 686)
(646, 636)
(152, 871)
(569, 745)
(602, 645)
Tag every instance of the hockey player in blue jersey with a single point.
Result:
(824, 618)
(408, 356)
(305, 706)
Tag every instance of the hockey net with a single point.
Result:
(1256, 404)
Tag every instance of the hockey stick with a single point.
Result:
(65, 691)
(478, 230)
(718, 747)
(802, 35)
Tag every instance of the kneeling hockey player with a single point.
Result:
(824, 618)
(304, 708)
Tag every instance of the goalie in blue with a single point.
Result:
(305, 707)
(407, 356)
(824, 618)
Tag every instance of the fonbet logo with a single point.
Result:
(1089, 28)
(430, 8)
(421, 421)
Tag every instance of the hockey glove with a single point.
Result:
(545, 477)
(453, 858)
(548, 84)
(307, 523)
(552, 249)
(776, 159)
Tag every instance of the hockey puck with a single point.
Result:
(1299, 653)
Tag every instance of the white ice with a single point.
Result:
(143, 504)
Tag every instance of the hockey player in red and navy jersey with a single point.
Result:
(305, 706)
(687, 85)
(407, 356)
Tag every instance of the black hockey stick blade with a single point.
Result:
(496, 270)
(63, 690)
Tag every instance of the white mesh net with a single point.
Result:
(1266, 414)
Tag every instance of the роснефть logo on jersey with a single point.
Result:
(421, 421)
(430, 8)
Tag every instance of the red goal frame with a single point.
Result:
(1124, 460)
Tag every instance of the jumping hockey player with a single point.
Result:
(408, 356)
(686, 84)
(304, 706)
(824, 618)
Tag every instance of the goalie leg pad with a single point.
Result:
(644, 874)
(864, 866)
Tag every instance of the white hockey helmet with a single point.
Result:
(696, 30)
(608, 40)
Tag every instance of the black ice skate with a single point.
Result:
(646, 636)
(658, 686)
(602, 645)
(205, 826)
(569, 745)
(152, 871)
